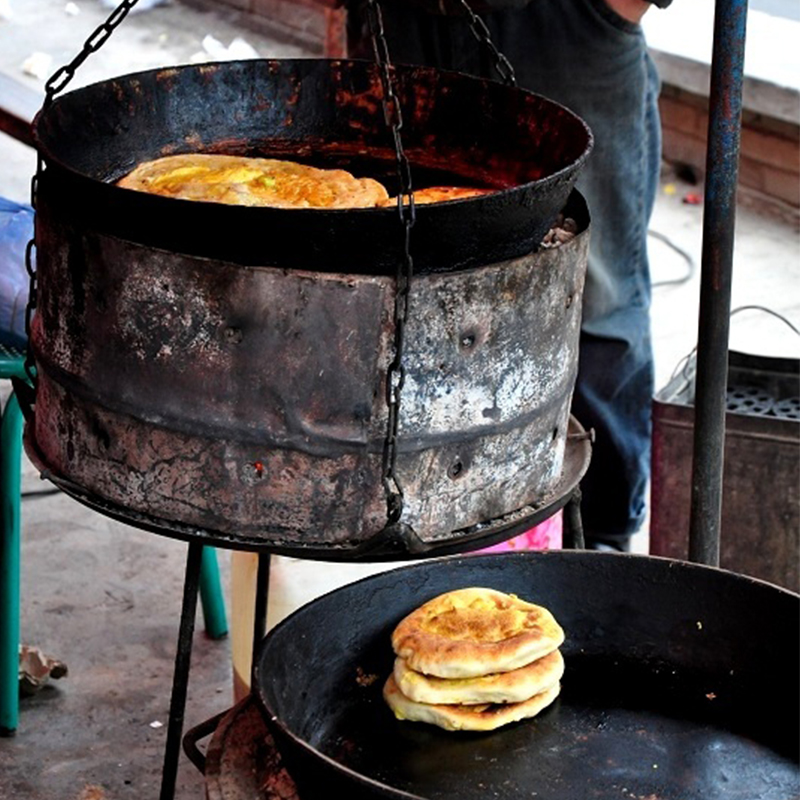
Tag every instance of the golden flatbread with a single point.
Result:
(501, 687)
(466, 718)
(475, 631)
(239, 180)
(441, 194)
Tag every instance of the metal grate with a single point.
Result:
(756, 401)
(788, 408)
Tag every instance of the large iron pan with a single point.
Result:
(681, 683)
(456, 129)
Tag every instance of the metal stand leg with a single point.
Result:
(716, 279)
(573, 524)
(262, 592)
(180, 678)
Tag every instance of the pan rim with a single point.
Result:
(554, 177)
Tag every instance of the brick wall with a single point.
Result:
(769, 166)
(317, 25)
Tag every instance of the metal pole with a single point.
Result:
(572, 523)
(722, 164)
(260, 616)
(180, 677)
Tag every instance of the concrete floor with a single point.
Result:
(105, 598)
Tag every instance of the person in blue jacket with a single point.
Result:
(591, 56)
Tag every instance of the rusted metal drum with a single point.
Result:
(243, 395)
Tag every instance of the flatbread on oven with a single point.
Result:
(240, 180)
(441, 194)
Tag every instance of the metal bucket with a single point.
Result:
(247, 401)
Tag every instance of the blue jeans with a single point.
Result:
(583, 55)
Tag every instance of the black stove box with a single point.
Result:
(760, 534)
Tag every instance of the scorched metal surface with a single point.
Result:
(224, 367)
(389, 544)
(680, 684)
(251, 401)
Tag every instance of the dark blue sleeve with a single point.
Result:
(498, 5)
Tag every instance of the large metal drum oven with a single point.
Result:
(220, 371)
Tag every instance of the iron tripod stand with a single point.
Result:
(573, 539)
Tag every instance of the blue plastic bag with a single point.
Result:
(16, 230)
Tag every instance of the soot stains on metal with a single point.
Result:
(225, 367)
(204, 370)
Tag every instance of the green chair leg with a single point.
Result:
(10, 461)
(211, 596)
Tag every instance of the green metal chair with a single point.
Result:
(11, 426)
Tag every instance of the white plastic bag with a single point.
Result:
(16, 230)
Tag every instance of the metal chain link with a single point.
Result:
(59, 80)
(479, 30)
(395, 376)
(56, 83)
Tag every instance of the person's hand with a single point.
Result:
(631, 10)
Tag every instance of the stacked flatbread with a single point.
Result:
(475, 659)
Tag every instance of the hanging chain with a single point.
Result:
(395, 376)
(56, 83)
(481, 33)
(59, 80)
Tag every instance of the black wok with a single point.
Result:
(681, 683)
(456, 130)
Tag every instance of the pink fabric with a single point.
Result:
(545, 536)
